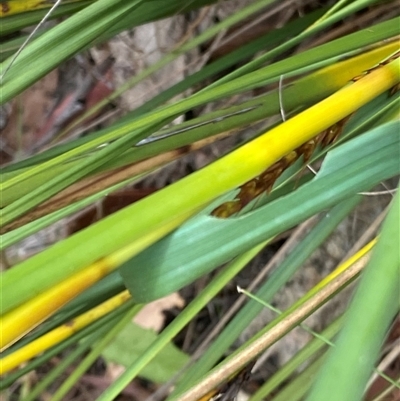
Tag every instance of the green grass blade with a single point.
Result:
(61, 42)
(298, 387)
(318, 26)
(63, 180)
(16, 22)
(314, 346)
(28, 229)
(350, 363)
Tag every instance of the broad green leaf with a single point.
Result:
(130, 343)
(206, 242)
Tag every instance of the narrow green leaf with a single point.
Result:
(309, 351)
(76, 172)
(299, 385)
(32, 227)
(376, 302)
(16, 22)
(47, 51)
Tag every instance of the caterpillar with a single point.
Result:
(266, 180)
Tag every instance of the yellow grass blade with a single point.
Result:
(26, 317)
(61, 333)
(21, 6)
(29, 315)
